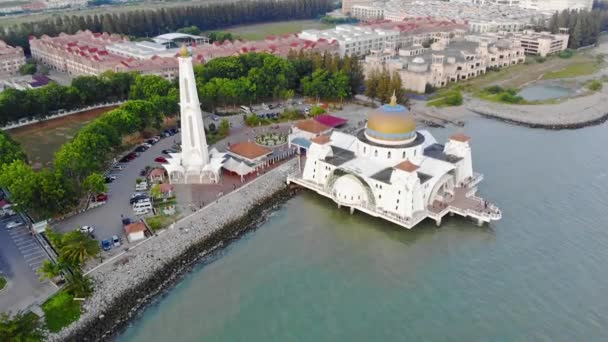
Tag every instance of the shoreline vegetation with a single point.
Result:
(131, 303)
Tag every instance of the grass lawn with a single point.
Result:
(261, 31)
(574, 70)
(159, 222)
(2, 282)
(40, 141)
(60, 310)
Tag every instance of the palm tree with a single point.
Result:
(49, 270)
(78, 248)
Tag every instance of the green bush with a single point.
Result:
(540, 59)
(509, 97)
(60, 310)
(566, 53)
(595, 85)
(2, 282)
(454, 99)
(316, 110)
(494, 89)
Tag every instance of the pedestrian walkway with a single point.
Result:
(29, 248)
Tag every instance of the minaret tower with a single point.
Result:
(195, 153)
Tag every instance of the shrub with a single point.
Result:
(510, 98)
(454, 98)
(595, 85)
(566, 53)
(60, 310)
(429, 88)
(494, 89)
(316, 110)
(540, 59)
(2, 282)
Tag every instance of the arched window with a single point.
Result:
(364, 149)
(403, 155)
(388, 155)
(375, 153)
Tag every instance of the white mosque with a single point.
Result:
(391, 170)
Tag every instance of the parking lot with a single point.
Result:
(20, 258)
(107, 219)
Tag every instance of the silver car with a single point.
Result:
(14, 224)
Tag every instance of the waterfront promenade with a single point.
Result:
(134, 268)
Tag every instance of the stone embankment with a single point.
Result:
(573, 113)
(127, 285)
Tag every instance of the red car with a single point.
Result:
(160, 160)
(133, 155)
(101, 197)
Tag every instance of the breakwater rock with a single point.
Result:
(573, 113)
(127, 285)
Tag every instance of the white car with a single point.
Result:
(118, 167)
(143, 186)
(86, 229)
(14, 224)
(116, 241)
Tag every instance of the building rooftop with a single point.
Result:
(407, 166)
(330, 120)
(249, 150)
(312, 126)
(340, 156)
(460, 137)
(135, 227)
(435, 151)
(321, 139)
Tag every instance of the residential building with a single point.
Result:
(347, 5)
(11, 59)
(360, 40)
(364, 12)
(534, 43)
(550, 6)
(446, 61)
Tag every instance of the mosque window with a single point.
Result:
(397, 201)
(403, 155)
(375, 153)
(379, 196)
(364, 149)
(414, 153)
(399, 192)
(388, 155)
(397, 208)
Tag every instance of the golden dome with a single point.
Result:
(392, 123)
(184, 52)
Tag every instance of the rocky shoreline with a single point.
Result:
(550, 126)
(126, 286)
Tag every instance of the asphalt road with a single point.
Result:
(20, 257)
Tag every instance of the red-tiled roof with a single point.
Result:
(249, 150)
(460, 137)
(312, 126)
(407, 166)
(321, 139)
(135, 227)
(157, 172)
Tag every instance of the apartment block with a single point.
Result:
(11, 59)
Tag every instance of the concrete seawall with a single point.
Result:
(129, 283)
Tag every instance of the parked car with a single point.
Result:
(151, 141)
(86, 229)
(143, 186)
(169, 150)
(133, 155)
(138, 198)
(126, 221)
(110, 179)
(106, 245)
(124, 159)
(160, 160)
(174, 130)
(101, 197)
(14, 224)
(141, 148)
(117, 167)
(116, 241)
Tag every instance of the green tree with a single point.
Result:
(316, 111)
(224, 128)
(78, 248)
(28, 69)
(21, 328)
(10, 150)
(95, 183)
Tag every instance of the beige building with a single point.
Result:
(445, 62)
(11, 59)
(534, 43)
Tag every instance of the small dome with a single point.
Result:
(391, 124)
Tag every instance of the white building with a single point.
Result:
(354, 40)
(550, 6)
(194, 164)
(391, 170)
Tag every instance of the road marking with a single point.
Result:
(32, 259)
(29, 248)
(23, 242)
(27, 255)
(18, 234)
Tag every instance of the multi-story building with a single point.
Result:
(534, 43)
(368, 12)
(360, 40)
(486, 16)
(347, 5)
(550, 6)
(446, 61)
(11, 59)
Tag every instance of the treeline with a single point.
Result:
(255, 77)
(153, 22)
(584, 26)
(78, 165)
(84, 91)
(381, 84)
